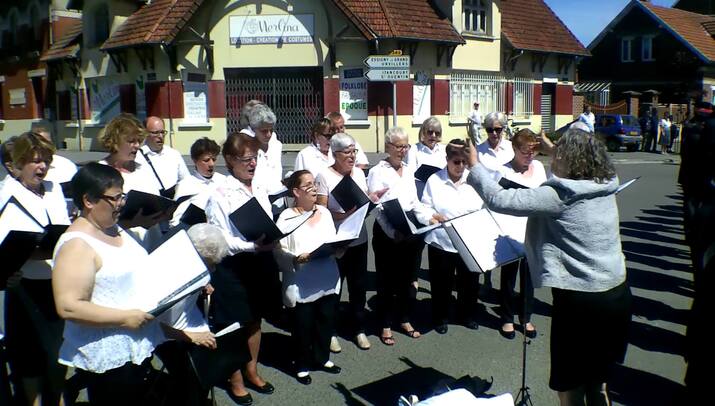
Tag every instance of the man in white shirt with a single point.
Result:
(475, 124)
(495, 151)
(588, 118)
(338, 126)
(166, 163)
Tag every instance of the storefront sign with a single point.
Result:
(353, 94)
(271, 29)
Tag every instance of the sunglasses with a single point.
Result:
(495, 130)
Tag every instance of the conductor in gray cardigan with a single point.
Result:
(573, 245)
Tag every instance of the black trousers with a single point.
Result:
(184, 386)
(511, 303)
(396, 266)
(126, 385)
(313, 326)
(353, 267)
(443, 266)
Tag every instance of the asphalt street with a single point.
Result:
(658, 272)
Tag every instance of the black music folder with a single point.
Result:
(348, 194)
(253, 222)
(510, 184)
(425, 171)
(15, 250)
(212, 367)
(193, 215)
(404, 222)
(152, 204)
(168, 193)
(284, 192)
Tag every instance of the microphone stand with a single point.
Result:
(523, 397)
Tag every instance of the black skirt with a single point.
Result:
(589, 335)
(246, 289)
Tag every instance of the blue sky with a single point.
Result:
(586, 18)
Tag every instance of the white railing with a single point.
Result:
(490, 91)
(523, 97)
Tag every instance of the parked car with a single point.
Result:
(619, 130)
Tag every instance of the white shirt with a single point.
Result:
(589, 119)
(61, 170)
(494, 158)
(538, 174)
(420, 155)
(199, 188)
(327, 180)
(269, 167)
(168, 164)
(450, 200)
(476, 118)
(226, 199)
(186, 316)
(310, 158)
(361, 157)
(50, 208)
(402, 188)
(305, 283)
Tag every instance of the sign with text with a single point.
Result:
(353, 94)
(271, 29)
(387, 75)
(387, 68)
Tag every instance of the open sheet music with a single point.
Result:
(253, 222)
(627, 184)
(346, 232)
(171, 272)
(402, 222)
(486, 240)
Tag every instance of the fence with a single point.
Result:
(490, 90)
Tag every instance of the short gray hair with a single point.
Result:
(495, 118)
(243, 118)
(431, 122)
(260, 115)
(394, 134)
(209, 242)
(341, 142)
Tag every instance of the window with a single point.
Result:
(647, 49)
(523, 96)
(476, 16)
(469, 87)
(627, 49)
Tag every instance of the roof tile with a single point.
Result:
(67, 44)
(690, 26)
(531, 25)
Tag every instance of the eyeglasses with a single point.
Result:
(495, 130)
(400, 147)
(307, 187)
(436, 134)
(527, 151)
(351, 152)
(158, 132)
(459, 162)
(247, 160)
(120, 198)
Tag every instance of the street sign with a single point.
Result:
(387, 62)
(387, 75)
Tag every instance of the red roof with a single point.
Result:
(157, 22)
(67, 45)
(531, 25)
(402, 19)
(690, 27)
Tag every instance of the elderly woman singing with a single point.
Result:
(573, 245)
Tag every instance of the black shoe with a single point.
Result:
(331, 370)
(305, 380)
(441, 328)
(471, 324)
(509, 335)
(530, 333)
(266, 389)
(244, 400)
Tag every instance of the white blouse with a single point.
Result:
(310, 158)
(226, 199)
(326, 182)
(99, 349)
(50, 208)
(308, 282)
(269, 167)
(538, 174)
(450, 200)
(199, 188)
(420, 155)
(493, 158)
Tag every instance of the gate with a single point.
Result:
(294, 94)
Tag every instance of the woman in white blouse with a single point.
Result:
(33, 328)
(108, 341)
(397, 257)
(310, 285)
(122, 137)
(353, 264)
(204, 179)
(316, 156)
(526, 171)
(449, 195)
(428, 151)
(261, 122)
(246, 284)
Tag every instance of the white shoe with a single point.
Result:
(335, 345)
(362, 342)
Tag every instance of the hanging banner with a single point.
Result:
(353, 94)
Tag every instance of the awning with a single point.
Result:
(590, 87)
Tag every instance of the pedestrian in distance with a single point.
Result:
(588, 118)
(664, 140)
(474, 121)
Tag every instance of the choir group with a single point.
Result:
(66, 304)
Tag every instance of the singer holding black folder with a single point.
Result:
(428, 151)
(33, 328)
(246, 284)
(397, 257)
(573, 245)
(353, 264)
(93, 265)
